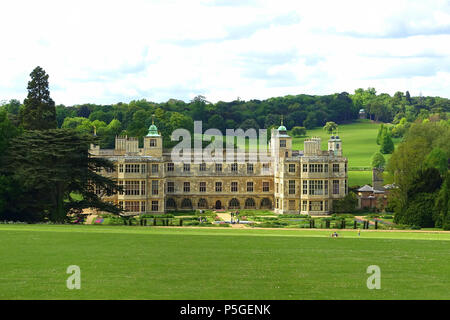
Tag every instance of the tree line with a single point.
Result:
(303, 111)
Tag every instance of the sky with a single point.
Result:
(111, 51)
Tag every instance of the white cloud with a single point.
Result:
(111, 51)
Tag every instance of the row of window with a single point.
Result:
(313, 187)
(137, 206)
(321, 167)
(142, 168)
(306, 205)
(137, 187)
(234, 187)
(218, 167)
(138, 168)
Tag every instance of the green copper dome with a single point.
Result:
(152, 131)
(282, 128)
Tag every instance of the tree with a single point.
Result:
(437, 159)
(346, 204)
(298, 131)
(39, 111)
(54, 164)
(330, 127)
(381, 130)
(378, 160)
(387, 145)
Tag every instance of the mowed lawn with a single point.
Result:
(169, 263)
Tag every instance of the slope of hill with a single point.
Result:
(358, 143)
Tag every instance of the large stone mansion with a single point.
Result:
(293, 181)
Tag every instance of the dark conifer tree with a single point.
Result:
(39, 111)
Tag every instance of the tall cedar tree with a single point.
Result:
(39, 109)
(55, 164)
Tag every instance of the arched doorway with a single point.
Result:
(171, 204)
(266, 203)
(250, 203)
(234, 204)
(186, 204)
(218, 204)
(202, 204)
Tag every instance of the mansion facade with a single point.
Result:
(302, 182)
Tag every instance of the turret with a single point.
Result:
(153, 144)
(335, 145)
(280, 142)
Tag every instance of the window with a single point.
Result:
(202, 203)
(234, 186)
(234, 167)
(305, 187)
(315, 187)
(316, 206)
(202, 166)
(305, 168)
(170, 187)
(218, 167)
(186, 167)
(170, 166)
(132, 188)
(291, 204)
(345, 186)
(218, 186)
(154, 205)
(155, 168)
(326, 205)
(170, 203)
(202, 186)
(132, 206)
(98, 190)
(316, 167)
(152, 142)
(154, 187)
(335, 186)
(291, 186)
(304, 205)
(143, 206)
(266, 186)
(121, 205)
(265, 167)
(291, 167)
(132, 168)
(187, 187)
(345, 167)
(283, 143)
(325, 167)
(143, 168)
(250, 186)
(143, 183)
(249, 167)
(276, 187)
(278, 203)
(120, 167)
(335, 167)
(249, 203)
(325, 183)
(120, 183)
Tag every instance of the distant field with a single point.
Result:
(358, 143)
(167, 263)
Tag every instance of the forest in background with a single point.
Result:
(309, 111)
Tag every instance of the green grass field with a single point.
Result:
(168, 263)
(358, 143)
